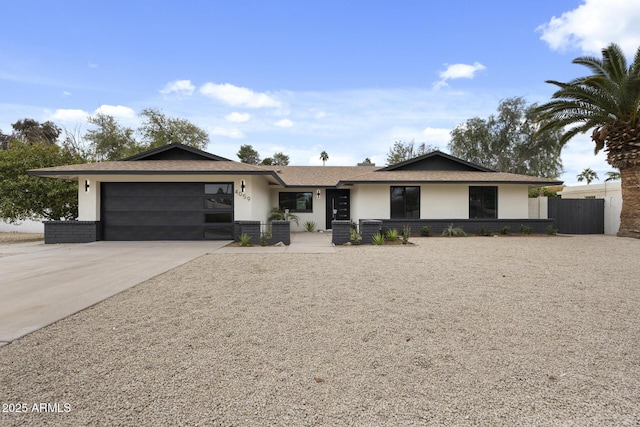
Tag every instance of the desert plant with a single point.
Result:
(505, 230)
(310, 226)
(378, 239)
(406, 233)
(279, 214)
(551, 231)
(525, 229)
(452, 231)
(484, 232)
(425, 231)
(264, 237)
(354, 236)
(244, 240)
(391, 235)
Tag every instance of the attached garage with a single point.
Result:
(167, 211)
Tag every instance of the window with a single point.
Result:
(297, 202)
(219, 188)
(405, 202)
(483, 202)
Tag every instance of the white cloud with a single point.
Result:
(458, 71)
(118, 111)
(284, 123)
(230, 133)
(92, 65)
(180, 87)
(593, 25)
(66, 93)
(237, 117)
(235, 95)
(69, 116)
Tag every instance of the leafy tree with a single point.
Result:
(280, 159)
(612, 176)
(324, 157)
(109, 140)
(4, 140)
(588, 175)
(401, 151)
(32, 131)
(607, 101)
(367, 161)
(247, 154)
(26, 197)
(509, 142)
(158, 130)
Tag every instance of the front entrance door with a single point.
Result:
(337, 206)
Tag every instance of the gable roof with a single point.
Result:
(175, 151)
(437, 160)
(179, 159)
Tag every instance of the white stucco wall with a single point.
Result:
(599, 191)
(253, 204)
(437, 201)
(319, 213)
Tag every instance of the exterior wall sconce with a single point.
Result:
(242, 185)
(86, 185)
(318, 193)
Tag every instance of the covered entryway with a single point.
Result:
(166, 211)
(337, 206)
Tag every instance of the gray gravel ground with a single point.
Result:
(502, 331)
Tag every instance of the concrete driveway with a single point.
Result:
(41, 284)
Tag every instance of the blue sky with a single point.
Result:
(346, 77)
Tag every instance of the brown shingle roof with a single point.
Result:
(289, 176)
(381, 176)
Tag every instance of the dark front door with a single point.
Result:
(337, 206)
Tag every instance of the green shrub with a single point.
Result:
(391, 234)
(551, 231)
(354, 236)
(484, 232)
(425, 231)
(525, 229)
(406, 233)
(264, 237)
(378, 239)
(280, 214)
(452, 231)
(244, 239)
(310, 226)
(505, 230)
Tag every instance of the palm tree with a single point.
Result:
(608, 102)
(587, 175)
(324, 157)
(612, 176)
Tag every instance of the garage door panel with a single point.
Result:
(166, 211)
(154, 189)
(154, 218)
(153, 233)
(153, 203)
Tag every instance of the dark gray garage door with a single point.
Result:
(167, 211)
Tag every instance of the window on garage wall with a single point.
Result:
(405, 202)
(296, 202)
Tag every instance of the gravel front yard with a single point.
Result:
(469, 331)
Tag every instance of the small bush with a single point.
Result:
(378, 239)
(551, 231)
(244, 239)
(354, 236)
(425, 231)
(310, 226)
(264, 237)
(484, 232)
(505, 230)
(525, 229)
(452, 231)
(391, 235)
(406, 233)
